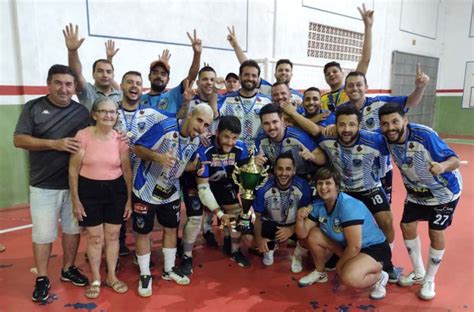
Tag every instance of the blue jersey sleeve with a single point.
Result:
(203, 159)
(329, 120)
(352, 212)
(149, 138)
(438, 149)
(306, 199)
(244, 155)
(259, 201)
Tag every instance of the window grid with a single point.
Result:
(334, 43)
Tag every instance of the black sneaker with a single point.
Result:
(227, 245)
(123, 250)
(210, 239)
(41, 292)
(186, 266)
(330, 265)
(240, 259)
(74, 276)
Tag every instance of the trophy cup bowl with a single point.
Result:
(249, 178)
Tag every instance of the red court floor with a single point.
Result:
(218, 284)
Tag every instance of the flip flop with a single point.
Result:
(118, 286)
(93, 290)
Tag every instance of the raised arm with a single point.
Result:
(368, 18)
(450, 164)
(232, 38)
(196, 44)
(421, 82)
(303, 122)
(73, 43)
(110, 52)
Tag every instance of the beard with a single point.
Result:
(158, 87)
(340, 138)
(249, 85)
(400, 133)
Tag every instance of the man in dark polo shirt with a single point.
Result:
(46, 129)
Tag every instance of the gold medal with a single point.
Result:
(129, 134)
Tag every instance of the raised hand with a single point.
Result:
(189, 93)
(165, 57)
(71, 37)
(196, 43)
(232, 37)
(366, 15)
(422, 79)
(306, 154)
(110, 50)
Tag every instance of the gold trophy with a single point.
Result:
(250, 178)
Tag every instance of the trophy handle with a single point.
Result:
(234, 176)
(264, 175)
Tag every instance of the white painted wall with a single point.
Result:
(32, 40)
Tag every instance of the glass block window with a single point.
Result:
(334, 43)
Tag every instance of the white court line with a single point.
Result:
(17, 228)
(464, 162)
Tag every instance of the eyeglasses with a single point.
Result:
(105, 112)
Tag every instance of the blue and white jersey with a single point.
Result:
(360, 165)
(278, 205)
(292, 141)
(169, 102)
(422, 146)
(296, 96)
(218, 166)
(247, 110)
(348, 211)
(154, 183)
(136, 123)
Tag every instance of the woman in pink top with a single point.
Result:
(100, 180)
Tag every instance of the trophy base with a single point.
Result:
(244, 223)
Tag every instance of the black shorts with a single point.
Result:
(166, 214)
(380, 253)
(190, 195)
(387, 184)
(269, 229)
(225, 192)
(103, 200)
(375, 199)
(439, 217)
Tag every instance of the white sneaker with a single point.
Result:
(410, 279)
(379, 291)
(176, 275)
(427, 290)
(296, 264)
(268, 258)
(144, 285)
(313, 277)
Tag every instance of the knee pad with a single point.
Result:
(192, 229)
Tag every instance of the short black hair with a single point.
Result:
(327, 172)
(312, 89)
(283, 61)
(206, 69)
(249, 63)
(276, 84)
(348, 109)
(132, 72)
(391, 108)
(286, 155)
(60, 69)
(231, 123)
(101, 61)
(231, 75)
(331, 64)
(356, 73)
(270, 109)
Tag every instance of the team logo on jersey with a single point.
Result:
(236, 99)
(163, 104)
(370, 122)
(257, 111)
(357, 162)
(369, 108)
(335, 144)
(175, 135)
(195, 204)
(411, 145)
(359, 148)
(336, 226)
(410, 161)
(258, 99)
(141, 126)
